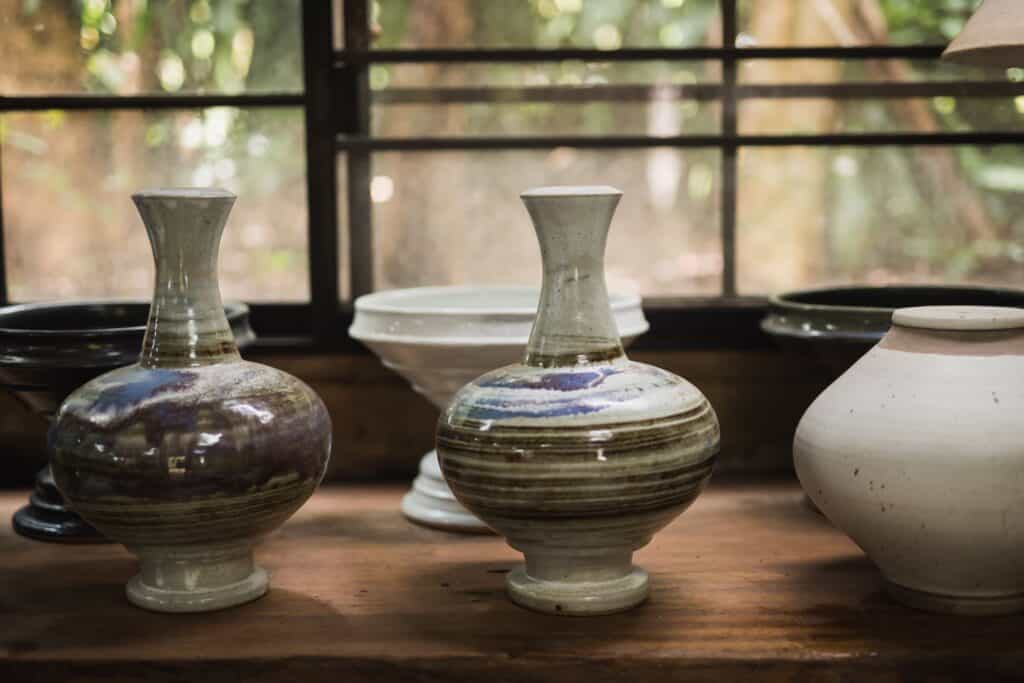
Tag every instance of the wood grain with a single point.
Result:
(746, 585)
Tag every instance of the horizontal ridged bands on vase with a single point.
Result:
(529, 473)
(190, 455)
(588, 536)
(139, 523)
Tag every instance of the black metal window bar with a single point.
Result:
(337, 100)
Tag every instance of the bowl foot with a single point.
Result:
(431, 503)
(581, 585)
(966, 605)
(46, 518)
(196, 579)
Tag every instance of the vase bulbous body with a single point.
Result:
(917, 453)
(189, 456)
(577, 455)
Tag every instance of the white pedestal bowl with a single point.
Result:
(440, 338)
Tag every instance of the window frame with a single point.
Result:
(336, 102)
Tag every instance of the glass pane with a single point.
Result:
(455, 217)
(571, 98)
(842, 22)
(822, 216)
(546, 23)
(918, 115)
(108, 46)
(71, 230)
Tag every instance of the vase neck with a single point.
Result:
(574, 323)
(187, 326)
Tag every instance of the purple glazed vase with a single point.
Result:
(189, 456)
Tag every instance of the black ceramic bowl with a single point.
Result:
(47, 350)
(835, 326)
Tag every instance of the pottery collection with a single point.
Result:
(917, 452)
(572, 452)
(440, 338)
(576, 455)
(189, 456)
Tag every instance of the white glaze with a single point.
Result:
(919, 457)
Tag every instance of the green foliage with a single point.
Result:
(886, 210)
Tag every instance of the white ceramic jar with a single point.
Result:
(917, 452)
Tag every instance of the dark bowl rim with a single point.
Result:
(781, 303)
(233, 309)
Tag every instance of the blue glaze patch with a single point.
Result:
(554, 381)
(116, 397)
(496, 409)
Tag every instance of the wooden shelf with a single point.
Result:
(749, 584)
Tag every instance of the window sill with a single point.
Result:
(748, 585)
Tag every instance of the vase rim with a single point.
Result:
(572, 191)
(184, 193)
(960, 318)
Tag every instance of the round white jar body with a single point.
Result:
(917, 452)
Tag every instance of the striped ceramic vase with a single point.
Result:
(191, 455)
(577, 455)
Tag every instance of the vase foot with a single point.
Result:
(431, 503)
(196, 579)
(577, 586)
(46, 518)
(965, 605)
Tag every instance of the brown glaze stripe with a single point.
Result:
(127, 512)
(611, 454)
(540, 450)
(465, 468)
(528, 511)
(588, 490)
(196, 533)
(573, 470)
(954, 342)
(480, 425)
(543, 360)
(665, 459)
(554, 441)
(214, 503)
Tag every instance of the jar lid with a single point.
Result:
(977, 318)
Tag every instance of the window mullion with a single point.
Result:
(321, 166)
(355, 91)
(729, 149)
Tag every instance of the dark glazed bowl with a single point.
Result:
(835, 326)
(47, 350)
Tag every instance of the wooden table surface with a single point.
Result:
(747, 585)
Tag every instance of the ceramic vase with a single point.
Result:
(917, 452)
(577, 455)
(440, 338)
(189, 456)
